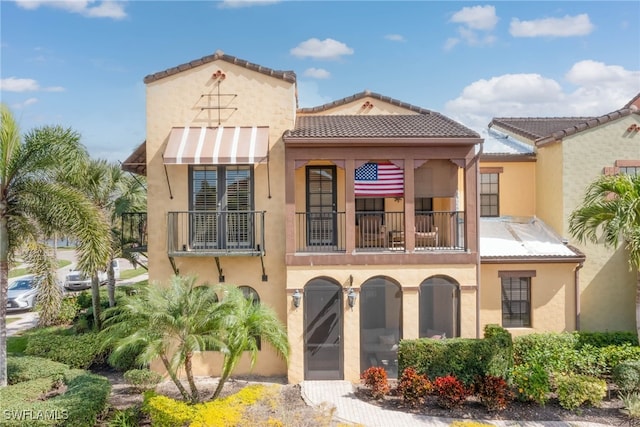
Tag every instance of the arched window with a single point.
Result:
(439, 308)
(380, 324)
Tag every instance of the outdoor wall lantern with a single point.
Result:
(351, 298)
(297, 296)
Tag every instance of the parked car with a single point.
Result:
(76, 280)
(23, 293)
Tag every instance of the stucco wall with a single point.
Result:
(552, 296)
(409, 278)
(517, 184)
(362, 106)
(608, 286)
(549, 191)
(257, 100)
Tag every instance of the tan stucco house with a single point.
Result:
(361, 222)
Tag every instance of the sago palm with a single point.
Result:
(247, 322)
(34, 202)
(610, 213)
(170, 323)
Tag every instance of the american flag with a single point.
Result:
(379, 180)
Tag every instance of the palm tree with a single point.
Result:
(111, 190)
(34, 202)
(171, 324)
(610, 213)
(247, 323)
(43, 266)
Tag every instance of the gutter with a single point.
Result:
(478, 260)
(577, 293)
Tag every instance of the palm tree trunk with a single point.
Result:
(174, 378)
(228, 364)
(95, 301)
(195, 397)
(4, 284)
(638, 303)
(111, 287)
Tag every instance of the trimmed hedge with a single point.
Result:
(26, 368)
(77, 351)
(604, 339)
(464, 358)
(85, 398)
(553, 351)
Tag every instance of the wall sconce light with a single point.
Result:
(297, 296)
(351, 298)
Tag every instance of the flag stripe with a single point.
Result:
(379, 179)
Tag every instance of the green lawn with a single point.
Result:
(131, 273)
(15, 272)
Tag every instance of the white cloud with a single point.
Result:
(476, 17)
(477, 22)
(246, 3)
(24, 104)
(321, 49)
(568, 26)
(395, 37)
(600, 89)
(13, 84)
(89, 8)
(317, 73)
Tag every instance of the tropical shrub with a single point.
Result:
(631, 402)
(531, 382)
(494, 393)
(413, 387)
(375, 378)
(26, 368)
(69, 309)
(142, 379)
(574, 390)
(605, 339)
(77, 351)
(450, 392)
(627, 376)
(555, 352)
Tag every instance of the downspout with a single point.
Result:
(478, 241)
(577, 293)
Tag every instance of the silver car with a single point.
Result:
(22, 294)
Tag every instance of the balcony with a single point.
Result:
(133, 232)
(379, 231)
(215, 233)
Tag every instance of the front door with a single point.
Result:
(321, 205)
(323, 330)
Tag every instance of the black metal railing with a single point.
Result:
(320, 231)
(442, 230)
(216, 233)
(133, 234)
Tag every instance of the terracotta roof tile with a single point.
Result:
(362, 95)
(288, 76)
(432, 125)
(544, 130)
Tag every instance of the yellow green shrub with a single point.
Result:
(469, 424)
(167, 412)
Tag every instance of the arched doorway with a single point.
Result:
(439, 308)
(323, 330)
(380, 324)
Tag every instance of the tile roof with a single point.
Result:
(432, 125)
(544, 130)
(634, 101)
(288, 76)
(359, 96)
(514, 238)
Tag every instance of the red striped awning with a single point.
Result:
(217, 145)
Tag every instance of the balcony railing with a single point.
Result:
(134, 231)
(320, 232)
(215, 233)
(379, 231)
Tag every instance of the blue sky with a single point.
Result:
(82, 63)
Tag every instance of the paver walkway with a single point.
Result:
(350, 409)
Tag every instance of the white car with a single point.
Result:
(22, 294)
(76, 280)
